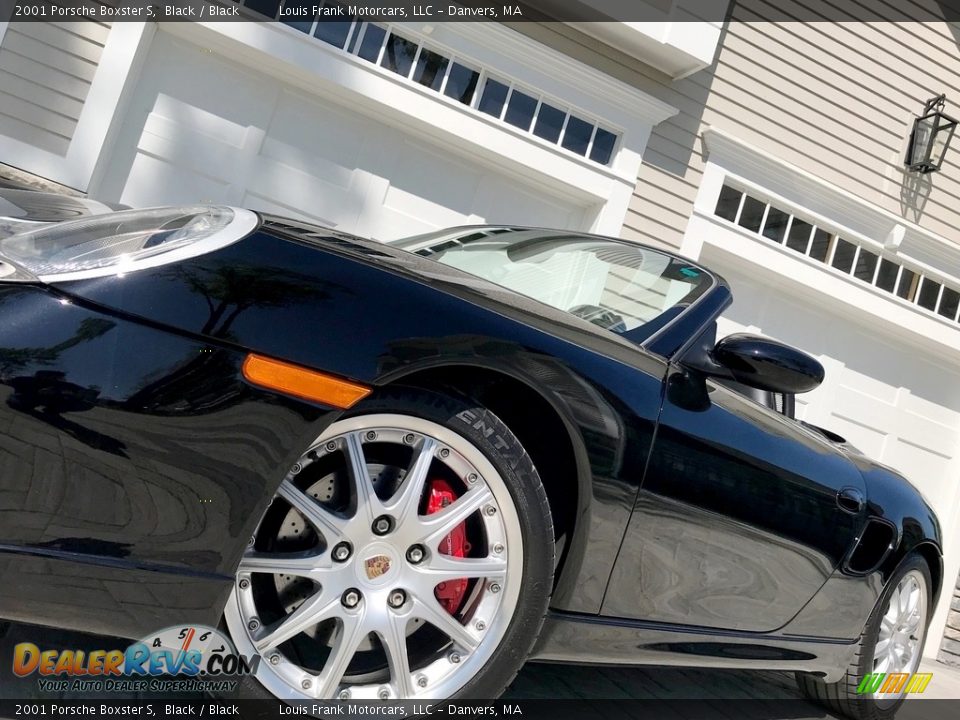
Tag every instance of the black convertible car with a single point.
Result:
(401, 471)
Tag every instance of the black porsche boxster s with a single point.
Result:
(403, 470)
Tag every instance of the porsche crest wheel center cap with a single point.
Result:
(378, 564)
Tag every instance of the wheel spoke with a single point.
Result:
(882, 647)
(882, 664)
(913, 599)
(406, 500)
(438, 525)
(304, 565)
(318, 607)
(368, 504)
(447, 567)
(326, 523)
(427, 608)
(394, 639)
(351, 632)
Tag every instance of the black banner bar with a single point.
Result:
(479, 10)
(912, 709)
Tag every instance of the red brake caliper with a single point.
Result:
(449, 593)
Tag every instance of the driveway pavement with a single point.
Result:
(541, 681)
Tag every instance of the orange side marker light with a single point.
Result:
(302, 383)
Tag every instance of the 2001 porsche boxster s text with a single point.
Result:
(402, 470)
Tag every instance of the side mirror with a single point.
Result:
(767, 364)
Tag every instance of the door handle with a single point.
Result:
(850, 500)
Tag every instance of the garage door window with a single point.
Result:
(397, 51)
(842, 254)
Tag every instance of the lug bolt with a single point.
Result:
(421, 681)
(397, 598)
(341, 551)
(371, 435)
(350, 598)
(331, 446)
(344, 695)
(481, 625)
(382, 525)
(444, 453)
(306, 683)
(415, 554)
(383, 694)
(254, 624)
(251, 541)
(409, 438)
(454, 657)
(296, 469)
(472, 478)
(494, 587)
(244, 583)
(490, 510)
(275, 659)
(497, 549)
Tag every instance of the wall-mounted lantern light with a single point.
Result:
(930, 137)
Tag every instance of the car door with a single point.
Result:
(738, 521)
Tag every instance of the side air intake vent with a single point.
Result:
(876, 542)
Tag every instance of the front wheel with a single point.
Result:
(889, 651)
(407, 554)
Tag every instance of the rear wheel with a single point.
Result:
(891, 643)
(390, 563)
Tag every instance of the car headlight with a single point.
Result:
(125, 241)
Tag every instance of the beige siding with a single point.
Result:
(45, 75)
(834, 98)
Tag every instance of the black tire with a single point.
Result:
(486, 432)
(841, 697)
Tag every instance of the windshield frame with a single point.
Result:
(643, 335)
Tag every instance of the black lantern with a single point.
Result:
(930, 137)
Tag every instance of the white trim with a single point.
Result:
(99, 114)
(323, 69)
(826, 286)
(849, 213)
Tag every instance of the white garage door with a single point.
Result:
(204, 128)
(893, 401)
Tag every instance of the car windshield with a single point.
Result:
(618, 285)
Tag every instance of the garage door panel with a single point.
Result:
(170, 117)
(228, 133)
(426, 181)
(189, 151)
(316, 138)
(864, 437)
(180, 187)
(268, 205)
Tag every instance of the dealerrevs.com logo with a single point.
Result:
(177, 659)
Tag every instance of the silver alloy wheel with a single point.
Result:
(898, 648)
(360, 594)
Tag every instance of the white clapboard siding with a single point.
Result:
(45, 74)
